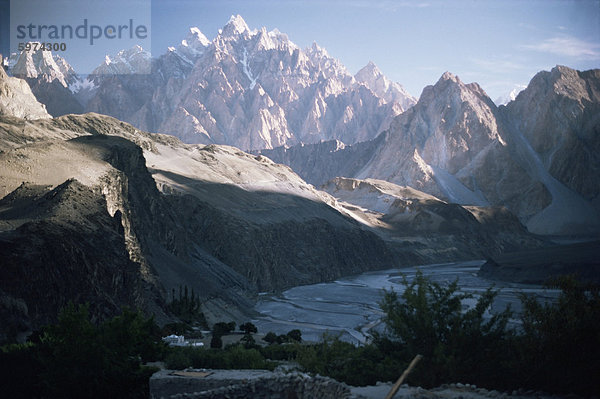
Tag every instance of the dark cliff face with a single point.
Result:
(277, 255)
(58, 99)
(70, 250)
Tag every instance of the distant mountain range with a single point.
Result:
(538, 155)
(256, 90)
(252, 89)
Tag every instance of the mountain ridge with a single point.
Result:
(457, 145)
(293, 95)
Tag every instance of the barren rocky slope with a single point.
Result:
(127, 216)
(536, 156)
(225, 223)
(430, 227)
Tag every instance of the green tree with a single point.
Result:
(270, 337)
(187, 308)
(248, 341)
(560, 345)
(81, 359)
(222, 328)
(248, 328)
(348, 363)
(216, 342)
(458, 345)
(295, 335)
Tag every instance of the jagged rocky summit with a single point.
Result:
(252, 89)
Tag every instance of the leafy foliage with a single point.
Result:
(280, 352)
(345, 362)
(563, 338)
(77, 358)
(270, 337)
(295, 335)
(291, 336)
(248, 328)
(457, 345)
(557, 349)
(187, 307)
(222, 328)
(216, 342)
(232, 357)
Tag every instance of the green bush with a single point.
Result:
(295, 335)
(248, 341)
(222, 328)
(270, 337)
(77, 358)
(248, 328)
(187, 308)
(19, 370)
(232, 357)
(279, 352)
(343, 361)
(557, 350)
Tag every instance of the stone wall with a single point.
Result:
(247, 384)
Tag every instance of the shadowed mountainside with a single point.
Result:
(222, 237)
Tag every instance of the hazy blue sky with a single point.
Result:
(499, 44)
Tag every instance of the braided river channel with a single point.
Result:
(349, 307)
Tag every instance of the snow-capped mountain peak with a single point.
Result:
(253, 89)
(235, 26)
(195, 40)
(389, 91)
(370, 69)
(505, 99)
(193, 46)
(199, 36)
(41, 64)
(317, 50)
(130, 61)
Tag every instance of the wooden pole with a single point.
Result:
(396, 386)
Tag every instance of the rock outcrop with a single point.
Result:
(50, 78)
(16, 99)
(379, 84)
(556, 123)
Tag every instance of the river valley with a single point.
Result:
(349, 306)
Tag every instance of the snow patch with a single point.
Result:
(505, 99)
(82, 84)
(247, 71)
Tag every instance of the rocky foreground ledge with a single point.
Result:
(259, 384)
